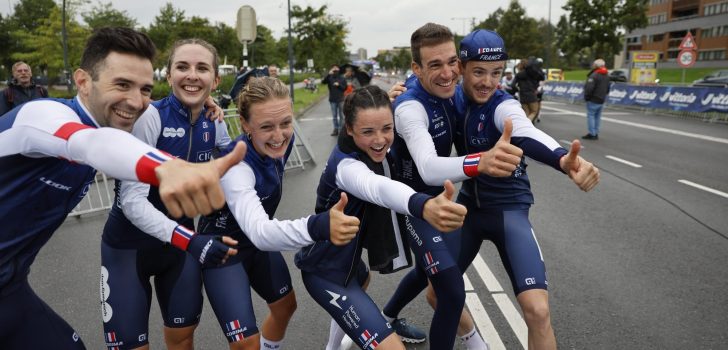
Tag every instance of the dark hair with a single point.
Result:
(368, 97)
(259, 90)
(192, 41)
(430, 34)
(116, 39)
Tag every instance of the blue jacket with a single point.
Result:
(192, 142)
(441, 115)
(36, 195)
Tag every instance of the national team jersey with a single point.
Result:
(167, 125)
(479, 127)
(48, 151)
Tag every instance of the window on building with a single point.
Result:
(711, 55)
(715, 8)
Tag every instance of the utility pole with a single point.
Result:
(290, 51)
(64, 37)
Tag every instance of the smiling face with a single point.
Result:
(373, 131)
(480, 79)
(121, 92)
(439, 71)
(192, 75)
(270, 126)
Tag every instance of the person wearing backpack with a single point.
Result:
(21, 88)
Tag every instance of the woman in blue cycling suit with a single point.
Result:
(360, 166)
(253, 191)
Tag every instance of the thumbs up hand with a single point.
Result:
(343, 227)
(583, 173)
(503, 158)
(442, 213)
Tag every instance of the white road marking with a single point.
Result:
(634, 165)
(468, 285)
(513, 317)
(486, 275)
(302, 120)
(645, 126)
(483, 322)
(704, 188)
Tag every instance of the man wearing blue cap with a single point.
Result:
(498, 207)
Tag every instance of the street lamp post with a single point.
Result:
(290, 52)
(64, 37)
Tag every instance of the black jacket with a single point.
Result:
(336, 93)
(597, 86)
(15, 95)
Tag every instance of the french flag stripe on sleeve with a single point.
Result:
(68, 129)
(181, 237)
(470, 164)
(146, 165)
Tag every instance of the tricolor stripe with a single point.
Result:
(111, 337)
(470, 164)
(146, 165)
(181, 239)
(68, 129)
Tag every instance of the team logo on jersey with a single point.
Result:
(172, 132)
(530, 281)
(234, 331)
(480, 127)
(204, 125)
(54, 184)
(206, 136)
(106, 310)
(368, 340)
(204, 156)
(334, 299)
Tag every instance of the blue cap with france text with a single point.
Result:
(483, 45)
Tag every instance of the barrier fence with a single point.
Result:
(706, 102)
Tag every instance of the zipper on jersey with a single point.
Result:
(189, 146)
(449, 125)
(467, 150)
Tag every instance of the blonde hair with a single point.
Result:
(259, 90)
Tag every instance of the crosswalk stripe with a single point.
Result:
(483, 322)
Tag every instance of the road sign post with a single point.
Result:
(246, 28)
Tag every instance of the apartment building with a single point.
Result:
(670, 20)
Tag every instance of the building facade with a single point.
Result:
(668, 23)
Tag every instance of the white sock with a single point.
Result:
(266, 344)
(473, 341)
(336, 335)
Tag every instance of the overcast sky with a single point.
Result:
(373, 24)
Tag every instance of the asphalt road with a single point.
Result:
(641, 262)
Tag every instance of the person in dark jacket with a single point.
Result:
(595, 92)
(21, 88)
(526, 83)
(337, 85)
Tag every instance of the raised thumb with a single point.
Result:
(232, 158)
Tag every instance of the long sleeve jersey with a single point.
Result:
(253, 189)
(49, 150)
(479, 127)
(138, 217)
(344, 172)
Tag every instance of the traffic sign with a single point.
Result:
(688, 43)
(686, 58)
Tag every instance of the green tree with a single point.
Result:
(105, 15)
(165, 29)
(519, 32)
(318, 36)
(491, 23)
(5, 41)
(28, 15)
(45, 47)
(598, 26)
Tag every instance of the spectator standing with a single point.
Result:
(527, 82)
(21, 88)
(337, 85)
(352, 83)
(595, 92)
(506, 84)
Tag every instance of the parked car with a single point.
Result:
(716, 79)
(618, 75)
